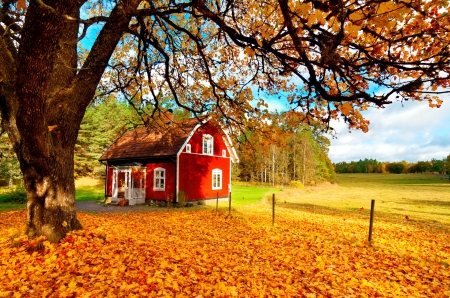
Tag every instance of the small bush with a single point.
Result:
(189, 205)
(201, 203)
(296, 184)
(18, 196)
(182, 198)
(123, 203)
(3, 182)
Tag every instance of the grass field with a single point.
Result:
(245, 195)
(421, 197)
(88, 189)
(6, 206)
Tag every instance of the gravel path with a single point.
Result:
(94, 206)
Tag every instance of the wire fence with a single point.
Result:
(276, 212)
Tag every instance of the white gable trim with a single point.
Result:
(230, 147)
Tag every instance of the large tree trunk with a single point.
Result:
(43, 99)
(51, 195)
(47, 124)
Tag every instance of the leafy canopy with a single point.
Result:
(330, 58)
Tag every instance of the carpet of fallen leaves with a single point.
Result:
(208, 254)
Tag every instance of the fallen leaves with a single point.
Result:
(207, 254)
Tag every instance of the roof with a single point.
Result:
(144, 142)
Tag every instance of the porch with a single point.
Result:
(128, 182)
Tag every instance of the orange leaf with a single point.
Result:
(346, 108)
(21, 4)
(52, 127)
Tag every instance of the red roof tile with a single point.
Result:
(145, 142)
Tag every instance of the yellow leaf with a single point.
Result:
(249, 51)
(265, 34)
(346, 108)
(21, 4)
(52, 127)
(353, 30)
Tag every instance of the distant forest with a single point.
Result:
(441, 166)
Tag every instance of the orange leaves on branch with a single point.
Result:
(249, 51)
(21, 4)
(346, 108)
(52, 128)
(435, 105)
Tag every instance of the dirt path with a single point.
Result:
(94, 206)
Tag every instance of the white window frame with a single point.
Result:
(217, 179)
(209, 148)
(188, 148)
(157, 179)
(224, 153)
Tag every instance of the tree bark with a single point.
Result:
(45, 124)
(43, 98)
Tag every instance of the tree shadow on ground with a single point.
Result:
(428, 203)
(391, 217)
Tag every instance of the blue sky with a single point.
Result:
(413, 132)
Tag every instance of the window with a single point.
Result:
(207, 144)
(224, 153)
(159, 182)
(217, 179)
(188, 148)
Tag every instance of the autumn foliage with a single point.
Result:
(208, 254)
(329, 59)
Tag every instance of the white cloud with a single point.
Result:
(412, 132)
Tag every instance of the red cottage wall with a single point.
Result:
(170, 181)
(195, 177)
(109, 181)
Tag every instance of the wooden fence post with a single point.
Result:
(372, 207)
(229, 205)
(217, 202)
(273, 209)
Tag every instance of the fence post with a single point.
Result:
(372, 207)
(273, 209)
(229, 205)
(217, 202)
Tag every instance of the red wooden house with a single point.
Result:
(191, 158)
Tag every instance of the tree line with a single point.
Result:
(286, 152)
(441, 166)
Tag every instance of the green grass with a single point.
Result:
(6, 206)
(88, 189)
(421, 197)
(246, 195)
